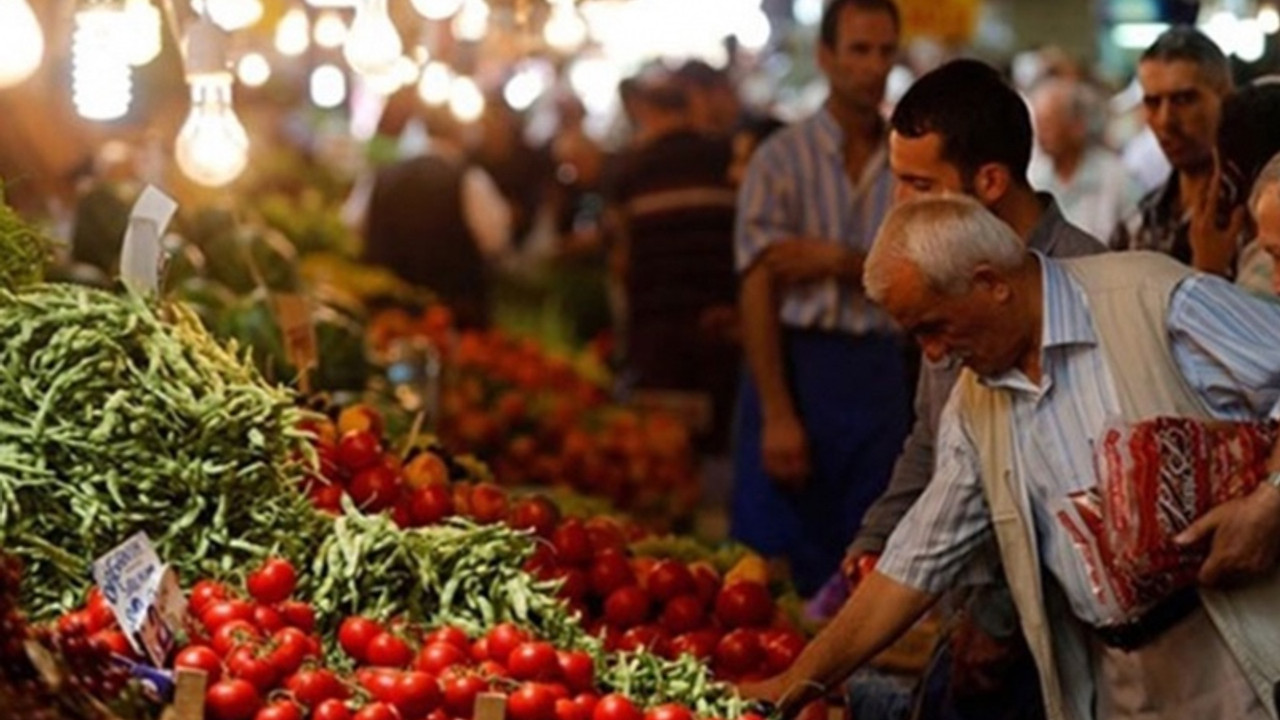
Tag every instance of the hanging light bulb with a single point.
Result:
(466, 102)
(21, 42)
(330, 31)
(436, 9)
(328, 86)
(565, 30)
(212, 147)
(472, 21)
(253, 70)
(101, 79)
(230, 15)
(293, 33)
(436, 84)
(373, 46)
(524, 88)
(142, 39)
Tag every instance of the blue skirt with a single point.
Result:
(853, 400)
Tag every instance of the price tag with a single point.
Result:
(490, 706)
(144, 595)
(293, 313)
(141, 256)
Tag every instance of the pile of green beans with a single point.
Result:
(117, 415)
(24, 250)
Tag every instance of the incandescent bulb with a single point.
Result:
(330, 30)
(436, 84)
(373, 45)
(21, 42)
(230, 14)
(328, 86)
(436, 9)
(466, 102)
(472, 22)
(212, 148)
(293, 33)
(253, 70)
(565, 30)
(142, 39)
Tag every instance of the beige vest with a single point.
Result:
(1128, 296)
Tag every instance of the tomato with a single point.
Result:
(233, 634)
(298, 614)
(436, 657)
(575, 583)
(274, 582)
(232, 700)
(331, 710)
(669, 711)
(99, 614)
(502, 639)
(565, 709)
(700, 644)
(451, 635)
(572, 545)
(744, 604)
(327, 497)
(248, 662)
(605, 533)
(531, 701)
(314, 687)
(354, 635)
(536, 513)
(378, 711)
(205, 593)
(578, 670)
(416, 694)
(706, 581)
(739, 651)
(279, 710)
(781, 648)
(610, 571)
(221, 612)
(388, 650)
(430, 504)
(200, 657)
(488, 503)
(375, 489)
(289, 647)
(615, 707)
(380, 682)
(480, 650)
(460, 693)
(533, 661)
(648, 637)
(424, 469)
(669, 579)
(74, 623)
(683, 614)
(267, 618)
(113, 641)
(586, 703)
(626, 607)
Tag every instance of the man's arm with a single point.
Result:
(802, 260)
(880, 610)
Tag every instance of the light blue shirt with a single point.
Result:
(1227, 345)
(796, 186)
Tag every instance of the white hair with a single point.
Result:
(946, 237)
(1268, 177)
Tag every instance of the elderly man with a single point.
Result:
(1054, 350)
(1264, 206)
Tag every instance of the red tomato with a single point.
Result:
(701, 644)
(615, 707)
(359, 449)
(354, 635)
(374, 489)
(488, 503)
(669, 711)
(388, 650)
(221, 612)
(436, 657)
(74, 623)
(566, 710)
(267, 618)
(199, 657)
(578, 670)
(430, 504)
(327, 497)
(646, 637)
(380, 682)
(781, 648)
(531, 701)
(416, 694)
(279, 710)
(314, 687)
(502, 639)
(533, 661)
(451, 635)
(535, 513)
(739, 651)
(669, 579)
(98, 612)
(113, 641)
(274, 582)
(626, 607)
(744, 604)
(480, 650)
(576, 584)
(707, 582)
(605, 533)
(248, 663)
(683, 614)
(298, 614)
(572, 545)
(586, 703)
(460, 694)
(378, 711)
(205, 593)
(289, 647)
(233, 634)
(331, 710)
(232, 700)
(610, 571)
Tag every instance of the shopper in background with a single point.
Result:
(1090, 183)
(824, 410)
(1264, 207)
(1184, 78)
(714, 106)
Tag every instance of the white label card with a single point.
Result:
(141, 253)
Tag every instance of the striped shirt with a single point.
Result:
(796, 186)
(1227, 345)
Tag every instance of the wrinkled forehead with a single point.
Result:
(1165, 77)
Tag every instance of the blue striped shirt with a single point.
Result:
(1226, 343)
(796, 186)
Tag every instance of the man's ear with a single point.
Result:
(990, 183)
(992, 281)
(826, 59)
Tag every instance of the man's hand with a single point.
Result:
(1214, 244)
(789, 696)
(804, 260)
(1245, 535)
(857, 565)
(785, 452)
